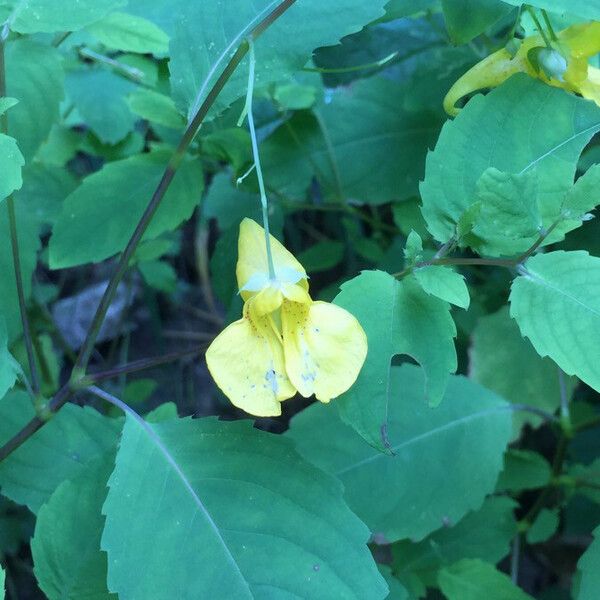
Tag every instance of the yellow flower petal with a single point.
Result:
(252, 257)
(325, 348)
(590, 88)
(247, 363)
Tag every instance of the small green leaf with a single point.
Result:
(250, 513)
(128, 33)
(544, 527)
(523, 470)
(397, 590)
(398, 318)
(466, 19)
(322, 256)
(294, 96)
(413, 252)
(556, 302)
(6, 103)
(589, 566)
(11, 161)
(444, 283)
(156, 108)
(9, 367)
(159, 275)
(474, 579)
(583, 196)
(470, 430)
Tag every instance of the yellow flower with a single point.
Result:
(284, 343)
(576, 43)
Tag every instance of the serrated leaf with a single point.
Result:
(118, 194)
(503, 361)
(508, 129)
(11, 161)
(34, 76)
(68, 562)
(466, 19)
(485, 534)
(204, 31)
(398, 318)
(556, 303)
(509, 220)
(589, 9)
(444, 283)
(583, 196)
(128, 33)
(260, 519)
(589, 567)
(474, 579)
(459, 445)
(156, 108)
(544, 527)
(413, 251)
(56, 452)
(523, 470)
(35, 16)
(99, 96)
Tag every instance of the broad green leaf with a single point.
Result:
(322, 256)
(351, 157)
(444, 283)
(589, 566)
(458, 445)
(60, 147)
(35, 16)
(398, 318)
(229, 145)
(118, 194)
(466, 19)
(583, 196)
(128, 33)
(6, 103)
(397, 590)
(474, 579)
(523, 470)
(485, 534)
(29, 243)
(68, 562)
(56, 452)
(250, 511)
(99, 96)
(508, 220)
(503, 361)
(509, 129)
(204, 31)
(11, 161)
(556, 302)
(544, 527)
(34, 76)
(156, 108)
(9, 367)
(589, 9)
(159, 275)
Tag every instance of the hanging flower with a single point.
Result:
(565, 66)
(285, 342)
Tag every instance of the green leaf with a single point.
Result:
(9, 367)
(444, 283)
(56, 452)
(206, 30)
(413, 252)
(36, 16)
(250, 513)
(6, 103)
(351, 157)
(398, 318)
(11, 161)
(466, 19)
(128, 33)
(583, 196)
(474, 579)
(397, 590)
(396, 9)
(68, 562)
(589, 9)
(589, 566)
(556, 302)
(509, 220)
(102, 197)
(544, 527)
(156, 108)
(29, 243)
(504, 362)
(470, 430)
(523, 470)
(99, 96)
(34, 76)
(2, 578)
(322, 256)
(508, 129)
(159, 275)
(485, 534)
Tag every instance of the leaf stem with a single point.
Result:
(259, 176)
(14, 242)
(538, 25)
(551, 31)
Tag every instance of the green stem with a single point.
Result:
(372, 65)
(14, 242)
(551, 31)
(259, 176)
(539, 27)
(130, 72)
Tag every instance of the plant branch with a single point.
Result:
(14, 242)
